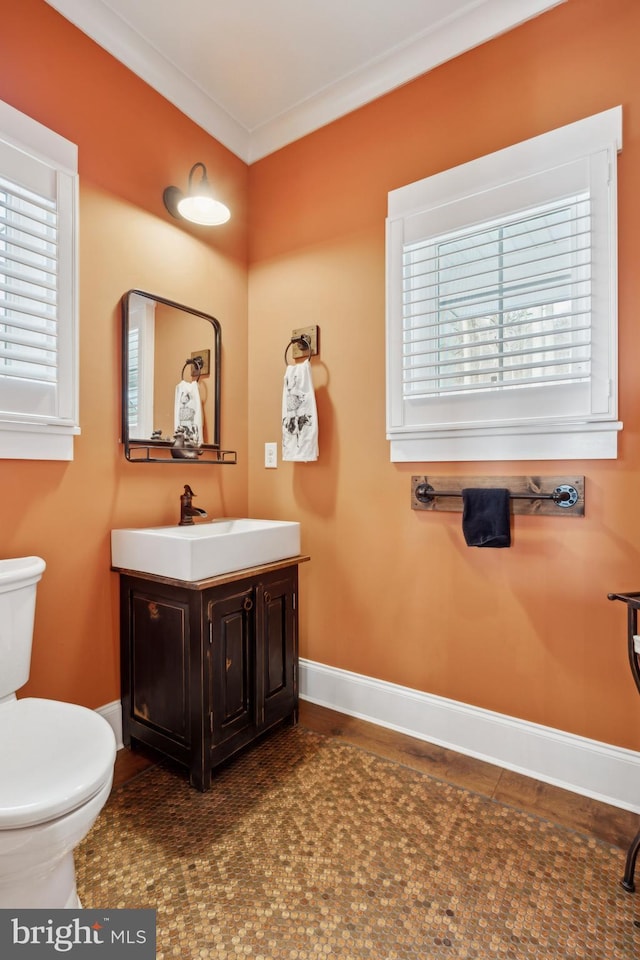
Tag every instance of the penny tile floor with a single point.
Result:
(308, 847)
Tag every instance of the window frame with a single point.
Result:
(468, 196)
(26, 435)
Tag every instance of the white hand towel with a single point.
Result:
(299, 414)
(188, 411)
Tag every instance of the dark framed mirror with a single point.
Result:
(171, 382)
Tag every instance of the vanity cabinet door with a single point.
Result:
(157, 663)
(277, 647)
(160, 651)
(231, 618)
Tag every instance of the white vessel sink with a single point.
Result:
(204, 549)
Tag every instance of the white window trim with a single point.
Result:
(46, 438)
(532, 439)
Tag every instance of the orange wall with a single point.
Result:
(395, 594)
(389, 593)
(132, 143)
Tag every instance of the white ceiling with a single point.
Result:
(257, 74)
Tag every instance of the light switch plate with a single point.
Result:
(271, 455)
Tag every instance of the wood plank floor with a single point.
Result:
(589, 817)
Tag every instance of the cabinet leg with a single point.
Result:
(292, 718)
(200, 777)
(630, 866)
(126, 735)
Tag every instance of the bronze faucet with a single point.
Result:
(187, 510)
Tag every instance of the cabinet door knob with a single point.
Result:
(248, 603)
(267, 597)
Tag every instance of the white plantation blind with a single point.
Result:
(502, 306)
(501, 303)
(28, 290)
(38, 297)
(133, 398)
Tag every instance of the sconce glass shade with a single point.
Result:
(198, 205)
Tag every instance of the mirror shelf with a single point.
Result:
(171, 382)
(140, 451)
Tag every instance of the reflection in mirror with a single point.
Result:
(170, 382)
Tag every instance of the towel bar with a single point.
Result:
(564, 496)
(543, 496)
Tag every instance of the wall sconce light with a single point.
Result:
(198, 205)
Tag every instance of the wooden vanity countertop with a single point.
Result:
(244, 573)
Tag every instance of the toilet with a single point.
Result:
(56, 763)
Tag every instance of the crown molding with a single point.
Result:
(482, 20)
(116, 37)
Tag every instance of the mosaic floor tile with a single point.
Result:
(307, 848)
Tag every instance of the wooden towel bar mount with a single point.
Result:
(541, 496)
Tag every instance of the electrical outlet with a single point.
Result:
(271, 455)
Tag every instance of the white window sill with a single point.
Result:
(36, 441)
(586, 441)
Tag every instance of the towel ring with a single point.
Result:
(302, 341)
(193, 362)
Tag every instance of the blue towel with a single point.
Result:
(485, 517)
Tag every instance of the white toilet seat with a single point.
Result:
(54, 757)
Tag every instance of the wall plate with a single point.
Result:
(206, 361)
(298, 351)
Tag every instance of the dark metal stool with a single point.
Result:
(632, 601)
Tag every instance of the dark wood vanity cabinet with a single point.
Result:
(207, 667)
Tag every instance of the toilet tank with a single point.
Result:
(18, 584)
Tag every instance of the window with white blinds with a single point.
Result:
(501, 316)
(28, 285)
(502, 306)
(140, 399)
(38, 300)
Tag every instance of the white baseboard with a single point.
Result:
(112, 712)
(587, 767)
